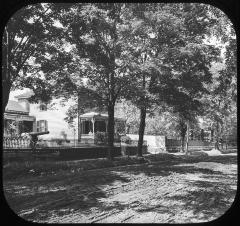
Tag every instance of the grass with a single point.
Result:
(34, 167)
(16, 169)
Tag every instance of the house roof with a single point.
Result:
(24, 95)
(97, 115)
(15, 106)
(92, 114)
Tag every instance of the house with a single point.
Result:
(92, 122)
(38, 117)
(17, 118)
(49, 117)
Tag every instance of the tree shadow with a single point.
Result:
(207, 200)
(224, 159)
(39, 200)
(165, 169)
(210, 196)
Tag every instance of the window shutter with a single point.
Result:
(38, 126)
(42, 126)
(46, 125)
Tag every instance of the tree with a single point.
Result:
(92, 31)
(220, 103)
(170, 61)
(125, 109)
(29, 38)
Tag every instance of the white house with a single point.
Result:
(47, 118)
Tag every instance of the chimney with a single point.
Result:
(23, 100)
(24, 103)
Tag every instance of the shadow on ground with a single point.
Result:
(178, 164)
(37, 198)
(207, 201)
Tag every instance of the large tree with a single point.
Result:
(221, 106)
(169, 59)
(29, 38)
(95, 34)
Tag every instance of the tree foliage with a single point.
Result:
(29, 40)
(169, 63)
(98, 53)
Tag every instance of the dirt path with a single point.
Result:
(180, 191)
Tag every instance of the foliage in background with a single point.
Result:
(149, 54)
(126, 139)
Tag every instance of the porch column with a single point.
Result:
(34, 129)
(93, 127)
(79, 129)
(106, 123)
(17, 127)
(115, 126)
(5, 127)
(83, 127)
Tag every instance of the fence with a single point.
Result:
(16, 142)
(131, 148)
(174, 145)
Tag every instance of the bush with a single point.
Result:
(117, 137)
(101, 137)
(126, 139)
(59, 141)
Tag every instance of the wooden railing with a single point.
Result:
(16, 142)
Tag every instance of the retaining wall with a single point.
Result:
(60, 153)
(155, 144)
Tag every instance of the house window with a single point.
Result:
(42, 126)
(43, 107)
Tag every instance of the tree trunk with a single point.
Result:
(183, 135)
(5, 94)
(110, 130)
(141, 131)
(127, 129)
(182, 142)
(79, 121)
(186, 151)
(217, 137)
(212, 135)
(6, 81)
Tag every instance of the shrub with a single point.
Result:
(117, 137)
(101, 137)
(59, 141)
(126, 139)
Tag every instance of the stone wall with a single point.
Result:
(155, 144)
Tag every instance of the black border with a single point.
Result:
(230, 7)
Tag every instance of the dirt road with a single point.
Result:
(178, 191)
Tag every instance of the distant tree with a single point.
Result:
(125, 109)
(221, 102)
